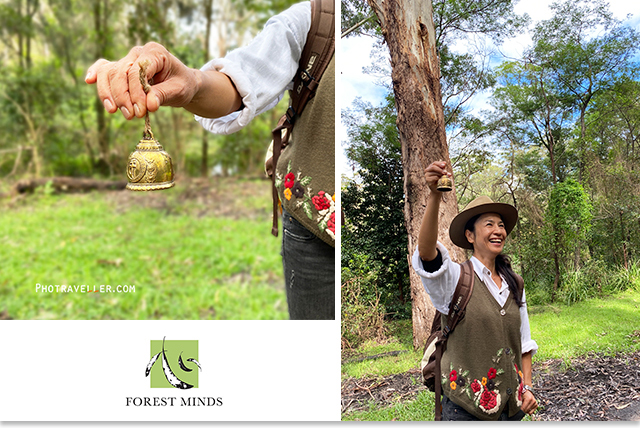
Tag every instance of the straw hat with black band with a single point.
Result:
(480, 205)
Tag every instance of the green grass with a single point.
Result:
(184, 261)
(420, 409)
(606, 325)
(598, 325)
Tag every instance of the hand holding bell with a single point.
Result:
(149, 167)
(438, 178)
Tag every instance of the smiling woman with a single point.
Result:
(486, 366)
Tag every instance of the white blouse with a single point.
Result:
(441, 284)
(264, 69)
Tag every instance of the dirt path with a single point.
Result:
(596, 388)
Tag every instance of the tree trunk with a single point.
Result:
(408, 30)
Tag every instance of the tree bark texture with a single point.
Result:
(407, 26)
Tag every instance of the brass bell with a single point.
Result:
(444, 184)
(149, 167)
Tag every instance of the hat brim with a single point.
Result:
(508, 213)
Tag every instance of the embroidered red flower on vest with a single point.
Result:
(492, 373)
(488, 400)
(331, 223)
(321, 202)
(289, 180)
(475, 386)
(453, 375)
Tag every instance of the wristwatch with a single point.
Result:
(528, 388)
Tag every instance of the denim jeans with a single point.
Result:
(309, 272)
(452, 412)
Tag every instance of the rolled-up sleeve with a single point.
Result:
(528, 344)
(264, 69)
(441, 284)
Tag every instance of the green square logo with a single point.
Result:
(174, 364)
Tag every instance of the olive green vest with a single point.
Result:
(481, 367)
(305, 174)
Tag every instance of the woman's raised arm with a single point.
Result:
(428, 235)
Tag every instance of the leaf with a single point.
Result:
(307, 210)
(305, 181)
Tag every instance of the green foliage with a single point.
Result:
(53, 123)
(362, 314)
(373, 204)
(569, 213)
(186, 260)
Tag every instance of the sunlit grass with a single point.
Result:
(183, 264)
(608, 325)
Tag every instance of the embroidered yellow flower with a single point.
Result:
(287, 194)
(484, 381)
(453, 386)
(334, 197)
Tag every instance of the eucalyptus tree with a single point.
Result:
(408, 30)
(585, 50)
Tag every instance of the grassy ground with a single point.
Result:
(192, 252)
(606, 325)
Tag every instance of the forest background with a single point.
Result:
(185, 249)
(552, 130)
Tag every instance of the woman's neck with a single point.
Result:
(488, 261)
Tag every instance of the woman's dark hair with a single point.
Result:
(503, 266)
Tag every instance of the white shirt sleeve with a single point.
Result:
(441, 284)
(263, 70)
(528, 344)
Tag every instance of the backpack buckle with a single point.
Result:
(291, 115)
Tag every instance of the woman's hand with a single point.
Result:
(433, 174)
(529, 402)
(119, 87)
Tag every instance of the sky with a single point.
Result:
(355, 54)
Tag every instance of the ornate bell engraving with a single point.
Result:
(444, 184)
(149, 166)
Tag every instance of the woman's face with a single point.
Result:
(488, 235)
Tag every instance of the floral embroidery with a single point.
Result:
(298, 190)
(520, 379)
(318, 207)
(489, 401)
(484, 392)
(321, 202)
(289, 180)
(492, 373)
(331, 223)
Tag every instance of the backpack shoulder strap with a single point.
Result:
(460, 297)
(457, 308)
(316, 55)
